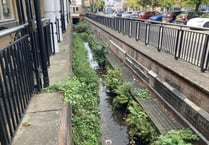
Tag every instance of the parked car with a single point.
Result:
(126, 14)
(157, 17)
(170, 16)
(135, 14)
(183, 17)
(119, 13)
(201, 22)
(148, 14)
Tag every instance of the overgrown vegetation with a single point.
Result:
(113, 79)
(141, 93)
(81, 90)
(177, 137)
(97, 47)
(141, 129)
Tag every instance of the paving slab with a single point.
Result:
(41, 123)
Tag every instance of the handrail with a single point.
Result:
(12, 30)
(6, 32)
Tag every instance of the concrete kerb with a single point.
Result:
(65, 132)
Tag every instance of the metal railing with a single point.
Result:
(16, 83)
(182, 43)
(57, 29)
(20, 71)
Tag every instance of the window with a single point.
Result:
(6, 11)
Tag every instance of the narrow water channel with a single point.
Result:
(113, 128)
(114, 131)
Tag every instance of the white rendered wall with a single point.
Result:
(49, 10)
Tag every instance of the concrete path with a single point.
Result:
(41, 122)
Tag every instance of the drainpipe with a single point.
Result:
(68, 10)
(49, 10)
(65, 12)
(63, 17)
(58, 16)
(41, 43)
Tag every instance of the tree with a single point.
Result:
(166, 3)
(97, 6)
(134, 4)
(144, 3)
(100, 5)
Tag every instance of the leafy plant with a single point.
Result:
(177, 137)
(139, 125)
(84, 36)
(82, 27)
(141, 93)
(98, 49)
(113, 79)
(123, 96)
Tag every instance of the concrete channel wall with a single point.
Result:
(178, 84)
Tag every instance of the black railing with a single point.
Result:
(20, 69)
(49, 39)
(181, 42)
(16, 85)
(57, 29)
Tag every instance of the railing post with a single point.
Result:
(147, 33)
(63, 15)
(178, 44)
(33, 44)
(130, 28)
(124, 26)
(204, 59)
(160, 38)
(137, 31)
(42, 43)
(21, 15)
(52, 37)
(119, 25)
(4, 139)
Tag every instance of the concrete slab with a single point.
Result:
(43, 118)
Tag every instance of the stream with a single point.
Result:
(114, 131)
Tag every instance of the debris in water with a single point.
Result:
(108, 142)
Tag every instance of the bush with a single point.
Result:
(84, 36)
(123, 96)
(139, 124)
(82, 27)
(113, 79)
(177, 137)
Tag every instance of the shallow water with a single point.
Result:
(113, 128)
(114, 131)
(92, 62)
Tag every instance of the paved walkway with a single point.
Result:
(41, 122)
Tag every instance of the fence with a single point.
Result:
(190, 46)
(20, 69)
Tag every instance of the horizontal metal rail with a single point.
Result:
(176, 40)
(12, 30)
